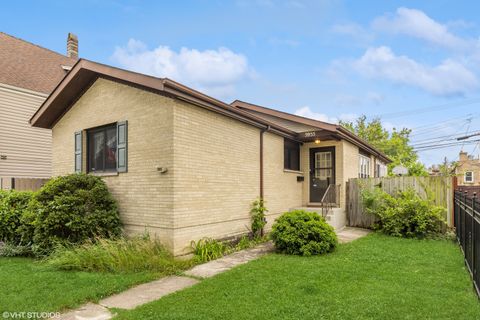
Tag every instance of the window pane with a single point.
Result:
(102, 149)
(98, 151)
(291, 152)
(111, 149)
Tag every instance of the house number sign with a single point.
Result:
(310, 134)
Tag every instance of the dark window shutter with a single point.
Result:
(122, 142)
(78, 151)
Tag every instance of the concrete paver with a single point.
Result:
(147, 292)
(89, 311)
(349, 234)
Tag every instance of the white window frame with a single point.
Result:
(363, 166)
(380, 169)
(471, 180)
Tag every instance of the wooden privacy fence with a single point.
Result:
(439, 189)
(21, 184)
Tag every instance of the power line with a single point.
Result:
(428, 109)
(444, 145)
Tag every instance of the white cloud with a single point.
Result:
(447, 78)
(213, 71)
(417, 24)
(308, 113)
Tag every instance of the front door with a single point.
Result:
(322, 171)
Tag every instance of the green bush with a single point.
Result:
(14, 250)
(15, 227)
(118, 256)
(72, 209)
(404, 215)
(303, 233)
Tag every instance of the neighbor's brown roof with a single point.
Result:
(28, 66)
(338, 130)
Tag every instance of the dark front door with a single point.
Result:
(322, 171)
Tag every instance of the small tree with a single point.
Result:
(395, 143)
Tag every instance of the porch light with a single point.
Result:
(317, 141)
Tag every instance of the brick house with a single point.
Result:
(183, 165)
(468, 170)
(28, 74)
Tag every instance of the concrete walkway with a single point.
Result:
(155, 290)
(348, 234)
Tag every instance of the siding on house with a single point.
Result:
(27, 149)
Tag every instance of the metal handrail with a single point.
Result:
(330, 199)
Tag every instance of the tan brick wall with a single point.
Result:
(216, 175)
(282, 192)
(145, 196)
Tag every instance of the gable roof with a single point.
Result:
(26, 65)
(334, 129)
(85, 72)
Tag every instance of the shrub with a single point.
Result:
(13, 250)
(404, 215)
(303, 233)
(257, 214)
(73, 209)
(15, 227)
(117, 255)
(207, 249)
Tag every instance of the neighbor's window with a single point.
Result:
(291, 155)
(469, 176)
(363, 166)
(102, 149)
(380, 169)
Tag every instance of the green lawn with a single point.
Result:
(27, 285)
(376, 277)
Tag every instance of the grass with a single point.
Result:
(376, 277)
(28, 285)
(89, 272)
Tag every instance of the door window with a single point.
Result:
(323, 165)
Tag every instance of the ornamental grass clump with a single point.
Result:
(303, 233)
(123, 255)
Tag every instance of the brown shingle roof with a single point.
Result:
(28, 66)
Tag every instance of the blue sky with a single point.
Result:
(414, 63)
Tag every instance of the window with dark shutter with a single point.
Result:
(291, 155)
(78, 151)
(122, 135)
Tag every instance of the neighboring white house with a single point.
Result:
(28, 73)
